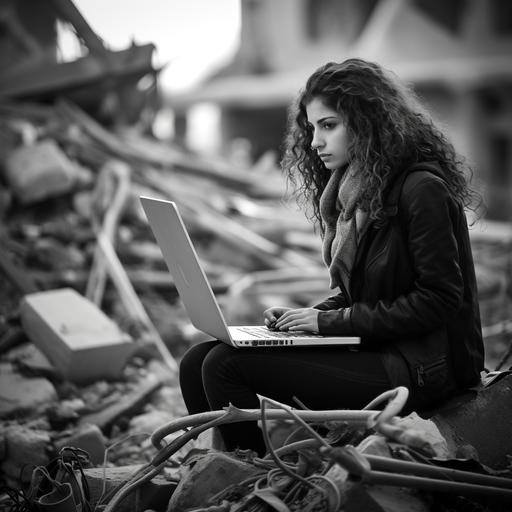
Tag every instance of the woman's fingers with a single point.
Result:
(304, 319)
(290, 320)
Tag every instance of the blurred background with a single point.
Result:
(104, 101)
(188, 100)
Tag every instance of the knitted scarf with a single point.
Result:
(344, 224)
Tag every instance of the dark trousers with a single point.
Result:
(213, 375)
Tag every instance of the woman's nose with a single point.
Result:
(316, 142)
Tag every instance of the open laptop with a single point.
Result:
(197, 295)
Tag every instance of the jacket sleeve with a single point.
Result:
(429, 214)
(333, 302)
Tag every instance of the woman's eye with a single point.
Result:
(328, 126)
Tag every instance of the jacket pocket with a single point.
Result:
(431, 376)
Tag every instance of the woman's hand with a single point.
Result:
(271, 315)
(301, 319)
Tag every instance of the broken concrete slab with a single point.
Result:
(25, 448)
(39, 171)
(21, 395)
(149, 421)
(31, 361)
(480, 419)
(152, 495)
(210, 474)
(89, 438)
(79, 339)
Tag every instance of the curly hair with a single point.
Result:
(388, 130)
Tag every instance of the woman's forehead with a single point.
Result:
(317, 109)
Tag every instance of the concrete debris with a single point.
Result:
(478, 424)
(19, 394)
(87, 437)
(41, 171)
(25, 448)
(206, 476)
(78, 338)
(74, 233)
(153, 495)
(430, 432)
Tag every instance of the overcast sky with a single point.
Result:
(193, 37)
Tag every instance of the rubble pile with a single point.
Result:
(66, 183)
(77, 254)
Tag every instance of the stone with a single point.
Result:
(428, 430)
(210, 474)
(480, 419)
(154, 494)
(87, 437)
(170, 398)
(129, 402)
(40, 171)
(149, 421)
(374, 444)
(24, 448)
(21, 395)
(33, 361)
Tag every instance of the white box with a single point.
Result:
(77, 337)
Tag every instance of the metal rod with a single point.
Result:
(379, 463)
(435, 485)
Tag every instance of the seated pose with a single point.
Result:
(387, 193)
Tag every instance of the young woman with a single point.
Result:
(387, 191)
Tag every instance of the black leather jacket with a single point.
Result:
(413, 292)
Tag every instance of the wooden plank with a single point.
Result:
(129, 403)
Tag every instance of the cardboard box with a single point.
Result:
(81, 342)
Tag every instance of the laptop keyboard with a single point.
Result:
(264, 333)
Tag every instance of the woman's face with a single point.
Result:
(330, 138)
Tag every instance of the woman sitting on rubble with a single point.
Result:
(387, 192)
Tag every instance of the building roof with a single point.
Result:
(398, 36)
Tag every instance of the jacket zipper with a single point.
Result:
(419, 375)
(420, 371)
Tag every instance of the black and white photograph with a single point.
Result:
(255, 255)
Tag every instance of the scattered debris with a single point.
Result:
(74, 239)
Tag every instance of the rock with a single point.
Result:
(60, 416)
(154, 494)
(34, 362)
(149, 421)
(24, 448)
(128, 403)
(22, 395)
(429, 431)
(211, 473)
(40, 171)
(480, 419)
(89, 438)
(374, 444)
(170, 398)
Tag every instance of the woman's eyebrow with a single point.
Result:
(326, 118)
(321, 120)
